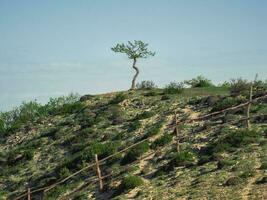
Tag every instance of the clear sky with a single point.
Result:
(54, 47)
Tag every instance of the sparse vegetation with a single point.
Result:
(199, 82)
(174, 88)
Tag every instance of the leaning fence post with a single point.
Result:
(248, 107)
(98, 173)
(177, 133)
(29, 193)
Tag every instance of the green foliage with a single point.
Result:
(134, 50)
(239, 86)
(235, 180)
(144, 115)
(67, 103)
(225, 163)
(173, 88)
(153, 130)
(184, 158)
(64, 172)
(199, 81)
(242, 87)
(227, 103)
(130, 182)
(101, 149)
(134, 153)
(234, 139)
(146, 85)
(118, 98)
(116, 115)
(263, 165)
(133, 126)
(165, 139)
(81, 196)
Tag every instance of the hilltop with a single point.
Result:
(218, 157)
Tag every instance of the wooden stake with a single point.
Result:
(177, 133)
(98, 173)
(29, 193)
(250, 101)
(248, 107)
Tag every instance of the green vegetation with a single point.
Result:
(165, 139)
(42, 144)
(174, 88)
(130, 182)
(135, 153)
(146, 85)
(199, 82)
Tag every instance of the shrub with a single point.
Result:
(165, 139)
(130, 182)
(135, 153)
(263, 165)
(118, 98)
(234, 139)
(64, 172)
(116, 115)
(151, 93)
(174, 88)
(227, 102)
(101, 149)
(199, 81)
(81, 196)
(154, 130)
(147, 85)
(134, 126)
(233, 181)
(225, 163)
(239, 86)
(144, 115)
(184, 158)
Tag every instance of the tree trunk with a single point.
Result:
(136, 74)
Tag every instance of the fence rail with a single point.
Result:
(31, 191)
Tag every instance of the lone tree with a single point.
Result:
(134, 50)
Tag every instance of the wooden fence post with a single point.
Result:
(29, 193)
(177, 133)
(250, 102)
(249, 106)
(99, 173)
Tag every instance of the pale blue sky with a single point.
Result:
(54, 47)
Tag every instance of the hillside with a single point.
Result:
(218, 157)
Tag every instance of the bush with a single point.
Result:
(118, 98)
(227, 103)
(154, 130)
(174, 88)
(147, 85)
(225, 163)
(184, 158)
(81, 196)
(234, 139)
(144, 115)
(134, 126)
(64, 172)
(135, 153)
(199, 81)
(233, 181)
(165, 139)
(239, 87)
(130, 182)
(101, 149)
